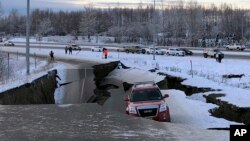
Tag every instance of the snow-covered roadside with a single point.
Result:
(43, 66)
(87, 56)
(21, 78)
(243, 53)
(206, 73)
(192, 112)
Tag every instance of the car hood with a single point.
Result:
(154, 103)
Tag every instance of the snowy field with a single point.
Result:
(206, 73)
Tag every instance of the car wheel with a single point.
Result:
(156, 53)
(147, 52)
(205, 55)
(92, 50)
(227, 48)
(177, 54)
(167, 54)
(127, 51)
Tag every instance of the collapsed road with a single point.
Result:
(85, 121)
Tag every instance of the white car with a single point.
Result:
(8, 43)
(97, 48)
(74, 47)
(150, 50)
(236, 47)
(175, 52)
(211, 52)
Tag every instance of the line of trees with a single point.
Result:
(180, 24)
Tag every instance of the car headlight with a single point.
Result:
(163, 107)
(132, 110)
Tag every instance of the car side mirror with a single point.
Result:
(126, 98)
(165, 96)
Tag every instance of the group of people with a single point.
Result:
(68, 49)
(51, 54)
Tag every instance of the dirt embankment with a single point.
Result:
(39, 91)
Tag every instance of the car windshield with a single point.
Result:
(216, 50)
(145, 95)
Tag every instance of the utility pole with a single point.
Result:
(27, 37)
(242, 25)
(154, 32)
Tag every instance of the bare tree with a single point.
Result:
(1, 9)
(88, 22)
(45, 27)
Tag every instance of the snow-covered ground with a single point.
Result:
(192, 110)
(17, 75)
(206, 73)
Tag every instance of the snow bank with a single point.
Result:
(192, 112)
(135, 75)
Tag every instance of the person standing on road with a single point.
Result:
(66, 50)
(216, 57)
(70, 50)
(219, 58)
(105, 53)
(51, 54)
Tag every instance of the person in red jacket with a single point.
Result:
(105, 52)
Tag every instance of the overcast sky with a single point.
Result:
(20, 5)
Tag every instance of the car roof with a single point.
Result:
(144, 85)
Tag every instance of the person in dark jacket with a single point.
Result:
(70, 50)
(218, 57)
(51, 54)
(66, 50)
